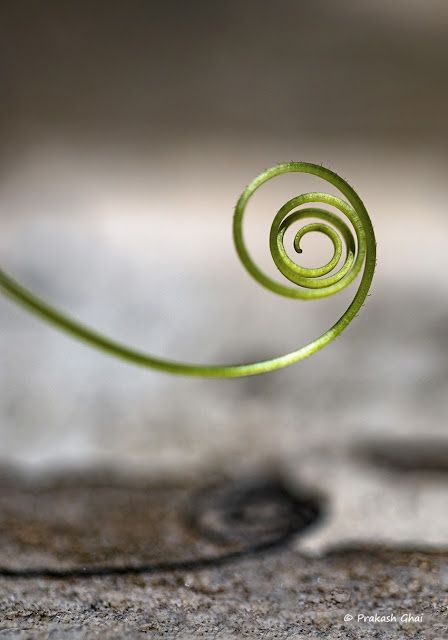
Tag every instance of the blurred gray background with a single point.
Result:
(129, 129)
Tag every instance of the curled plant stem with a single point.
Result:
(308, 283)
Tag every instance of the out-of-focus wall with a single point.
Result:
(157, 71)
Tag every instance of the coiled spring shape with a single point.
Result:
(307, 283)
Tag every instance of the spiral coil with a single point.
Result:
(308, 283)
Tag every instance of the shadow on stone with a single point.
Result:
(407, 455)
(102, 524)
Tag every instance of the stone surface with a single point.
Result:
(115, 557)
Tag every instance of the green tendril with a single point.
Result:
(308, 283)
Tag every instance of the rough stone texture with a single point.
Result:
(286, 595)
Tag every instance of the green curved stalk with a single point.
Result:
(313, 282)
